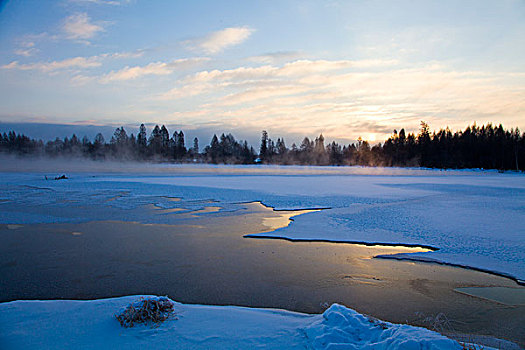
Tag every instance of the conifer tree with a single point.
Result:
(195, 149)
(142, 141)
(263, 150)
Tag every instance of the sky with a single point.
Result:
(346, 69)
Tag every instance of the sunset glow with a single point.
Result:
(342, 68)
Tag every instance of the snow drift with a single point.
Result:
(92, 325)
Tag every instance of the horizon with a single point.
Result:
(49, 132)
(342, 69)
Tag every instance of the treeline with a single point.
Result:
(488, 147)
(159, 146)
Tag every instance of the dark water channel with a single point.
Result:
(206, 260)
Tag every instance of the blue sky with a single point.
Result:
(347, 69)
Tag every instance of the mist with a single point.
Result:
(52, 167)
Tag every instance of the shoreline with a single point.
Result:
(78, 321)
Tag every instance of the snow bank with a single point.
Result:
(92, 325)
(343, 328)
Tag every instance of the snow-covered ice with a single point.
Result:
(474, 218)
(92, 325)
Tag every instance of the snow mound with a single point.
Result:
(61, 324)
(344, 328)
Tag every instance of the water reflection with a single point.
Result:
(205, 259)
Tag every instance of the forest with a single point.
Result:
(486, 147)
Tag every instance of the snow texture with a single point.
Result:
(92, 325)
(474, 218)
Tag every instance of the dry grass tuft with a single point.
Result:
(151, 310)
(467, 346)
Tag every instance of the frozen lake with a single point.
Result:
(178, 230)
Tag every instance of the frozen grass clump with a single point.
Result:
(151, 310)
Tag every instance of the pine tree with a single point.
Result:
(263, 150)
(214, 149)
(99, 147)
(195, 149)
(142, 142)
(164, 142)
(181, 147)
(155, 141)
(335, 154)
(321, 158)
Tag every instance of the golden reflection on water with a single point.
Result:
(277, 219)
(206, 210)
(181, 210)
(161, 210)
(205, 259)
(172, 199)
(280, 218)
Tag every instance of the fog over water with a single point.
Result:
(64, 165)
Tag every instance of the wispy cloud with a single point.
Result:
(261, 93)
(123, 55)
(26, 48)
(346, 99)
(100, 2)
(218, 41)
(75, 62)
(127, 73)
(80, 27)
(26, 52)
(71, 63)
(264, 77)
(275, 57)
(154, 68)
(81, 79)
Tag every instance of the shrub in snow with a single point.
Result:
(146, 310)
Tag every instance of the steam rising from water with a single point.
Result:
(64, 165)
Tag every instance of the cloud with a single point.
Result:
(100, 2)
(180, 92)
(28, 44)
(262, 77)
(80, 79)
(123, 55)
(70, 63)
(75, 62)
(127, 73)
(262, 93)
(297, 68)
(26, 48)
(154, 68)
(26, 52)
(80, 27)
(346, 99)
(274, 57)
(304, 67)
(218, 41)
